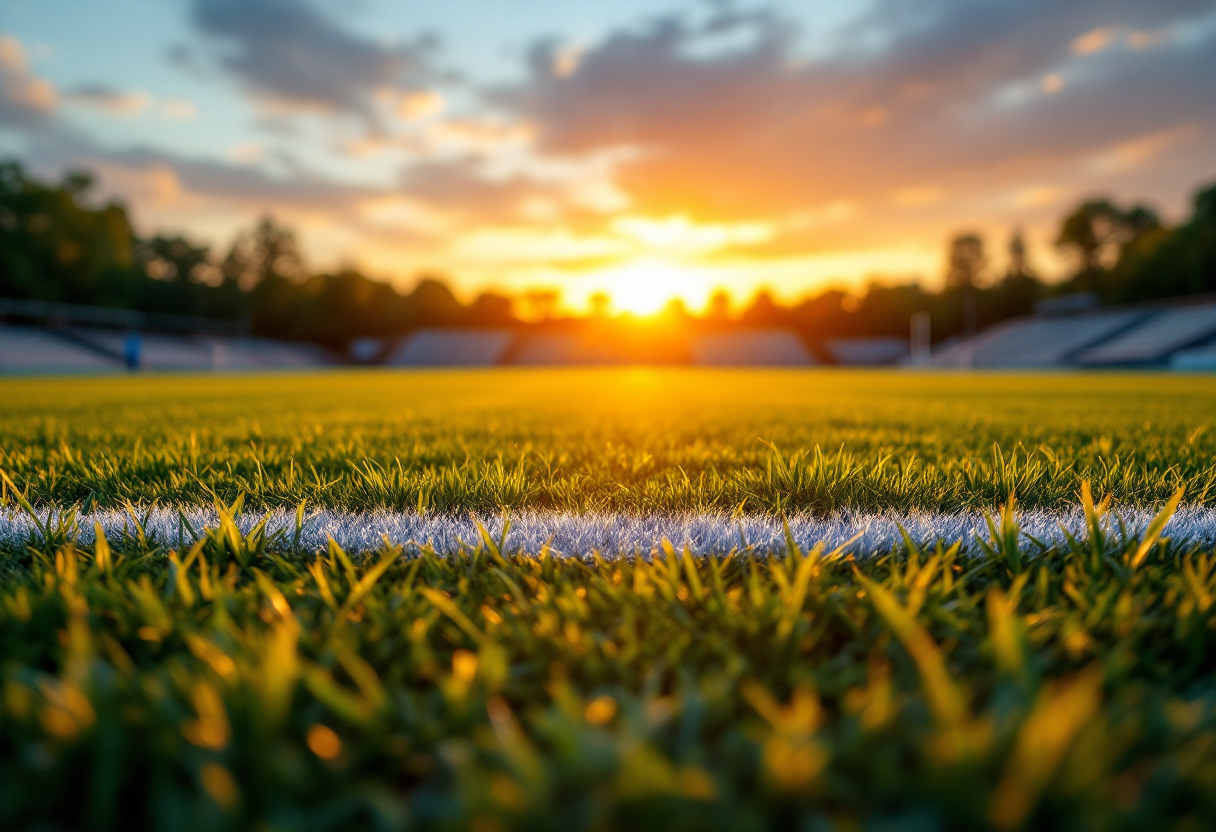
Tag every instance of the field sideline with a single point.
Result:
(587, 535)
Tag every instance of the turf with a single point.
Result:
(249, 676)
(231, 688)
(632, 440)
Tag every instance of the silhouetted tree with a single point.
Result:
(763, 310)
(599, 304)
(1160, 262)
(825, 315)
(268, 252)
(541, 303)
(965, 264)
(174, 259)
(676, 311)
(432, 303)
(55, 246)
(718, 309)
(1097, 232)
(886, 309)
(1018, 267)
(491, 309)
(966, 261)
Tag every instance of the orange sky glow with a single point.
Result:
(623, 149)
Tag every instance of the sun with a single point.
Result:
(644, 287)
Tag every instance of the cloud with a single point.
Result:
(758, 130)
(420, 104)
(246, 152)
(222, 184)
(713, 132)
(917, 196)
(109, 101)
(1037, 196)
(179, 109)
(1143, 149)
(289, 54)
(1092, 41)
(25, 99)
(461, 189)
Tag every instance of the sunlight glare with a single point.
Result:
(644, 287)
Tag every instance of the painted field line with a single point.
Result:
(611, 534)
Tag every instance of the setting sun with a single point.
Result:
(644, 287)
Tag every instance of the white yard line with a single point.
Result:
(576, 534)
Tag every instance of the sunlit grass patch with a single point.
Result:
(611, 440)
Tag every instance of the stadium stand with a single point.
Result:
(1200, 359)
(867, 352)
(560, 348)
(25, 349)
(52, 338)
(261, 353)
(159, 351)
(1049, 341)
(156, 351)
(595, 345)
(1153, 340)
(451, 348)
(768, 347)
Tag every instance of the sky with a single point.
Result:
(646, 149)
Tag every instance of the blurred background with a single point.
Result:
(270, 183)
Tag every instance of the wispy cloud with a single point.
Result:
(179, 109)
(756, 132)
(289, 54)
(108, 100)
(25, 99)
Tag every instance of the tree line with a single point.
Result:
(58, 244)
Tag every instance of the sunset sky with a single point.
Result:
(643, 148)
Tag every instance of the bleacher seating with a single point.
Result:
(1180, 335)
(156, 351)
(1154, 339)
(262, 353)
(26, 349)
(33, 350)
(867, 352)
(1037, 341)
(559, 348)
(451, 348)
(1199, 359)
(764, 347)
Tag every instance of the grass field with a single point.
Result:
(633, 440)
(247, 681)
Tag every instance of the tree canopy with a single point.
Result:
(59, 243)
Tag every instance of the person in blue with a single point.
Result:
(130, 350)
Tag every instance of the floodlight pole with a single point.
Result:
(920, 334)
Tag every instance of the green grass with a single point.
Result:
(231, 688)
(246, 684)
(638, 440)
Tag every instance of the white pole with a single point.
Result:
(920, 338)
